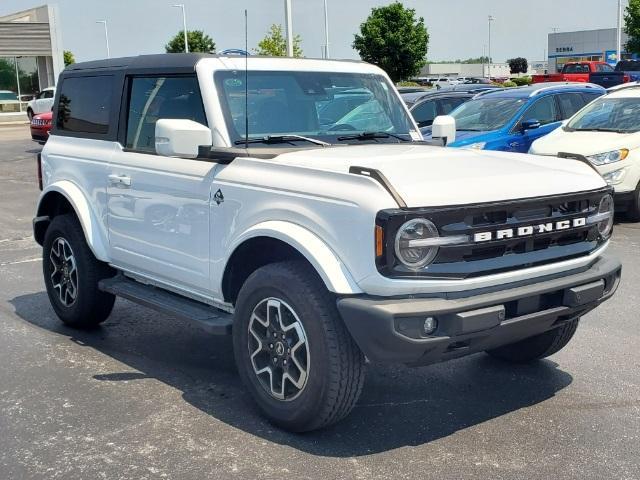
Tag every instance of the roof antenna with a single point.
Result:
(246, 80)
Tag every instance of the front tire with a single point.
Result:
(71, 275)
(633, 213)
(537, 347)
(292, 350)
(29, 114)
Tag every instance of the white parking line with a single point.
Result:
(28, 260)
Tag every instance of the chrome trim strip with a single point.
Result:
(440, 241)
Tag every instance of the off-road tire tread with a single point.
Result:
(633, 214)
(96, 305)
(346, 361)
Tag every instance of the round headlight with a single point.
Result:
(407, 245)
(606, 208)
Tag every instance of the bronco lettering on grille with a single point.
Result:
(529, 230)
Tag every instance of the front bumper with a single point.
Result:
(390, 330)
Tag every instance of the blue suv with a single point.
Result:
(510, 120)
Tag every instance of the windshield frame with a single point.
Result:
(235, 136)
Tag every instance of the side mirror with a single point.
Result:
(181, 138)
(444, 127)
(530, 125)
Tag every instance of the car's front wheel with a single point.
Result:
(537, 347)
(292, 350)
(72, 273)
(633, 213)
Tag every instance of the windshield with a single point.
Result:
(608, 114)
(486, 114)
(320, 105)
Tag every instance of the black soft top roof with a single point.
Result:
(174, 62)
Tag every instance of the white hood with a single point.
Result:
(435, 176)
(584, 143)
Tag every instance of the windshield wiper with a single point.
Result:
(469, 130)
(275, 139)
(371, 136)
(613, 130)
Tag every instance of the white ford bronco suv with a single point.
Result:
(291, 204)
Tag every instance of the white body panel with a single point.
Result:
(159, 222)
(305, 198)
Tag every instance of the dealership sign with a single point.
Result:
(564, 49)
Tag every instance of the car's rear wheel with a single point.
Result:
(71, 275)
(537, 347)
(292, 350)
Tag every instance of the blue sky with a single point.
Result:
(458, 28)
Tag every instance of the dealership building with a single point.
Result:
(31, 55)
(587, 45)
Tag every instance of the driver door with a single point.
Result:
(544, 110)
(158, 207)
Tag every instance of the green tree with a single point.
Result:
(632, 26)
(274, 44)
(392, 38)
(68, 58)
(518, 65)
(198, 42)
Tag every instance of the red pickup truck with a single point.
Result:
(574, 72)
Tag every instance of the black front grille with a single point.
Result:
(477, 258)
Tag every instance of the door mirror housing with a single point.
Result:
(530, 125)
(181, 138)
(444, 127)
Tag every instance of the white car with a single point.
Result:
(440, 82)
(229, 192)
(607, 133)
(42, 103)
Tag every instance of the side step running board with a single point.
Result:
(211, 319)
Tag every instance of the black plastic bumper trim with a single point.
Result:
(384, 331)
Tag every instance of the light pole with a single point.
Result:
(326, 30)
(289, 23)
(106, 35)
(184, 26)
(619, 44)
(491, 18)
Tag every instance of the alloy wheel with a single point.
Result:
(279, 349)
(64, 277)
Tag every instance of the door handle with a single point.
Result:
(120, 180)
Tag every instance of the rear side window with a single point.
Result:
(570, 103)
(85, 104)
(604, 68)
(153, 98)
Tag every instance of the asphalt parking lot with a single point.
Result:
(148, 396)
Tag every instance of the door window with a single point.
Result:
(153, 98)
(543, 110)
(448, 105)
(424, 113)
(47, 94)
(570, 103)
